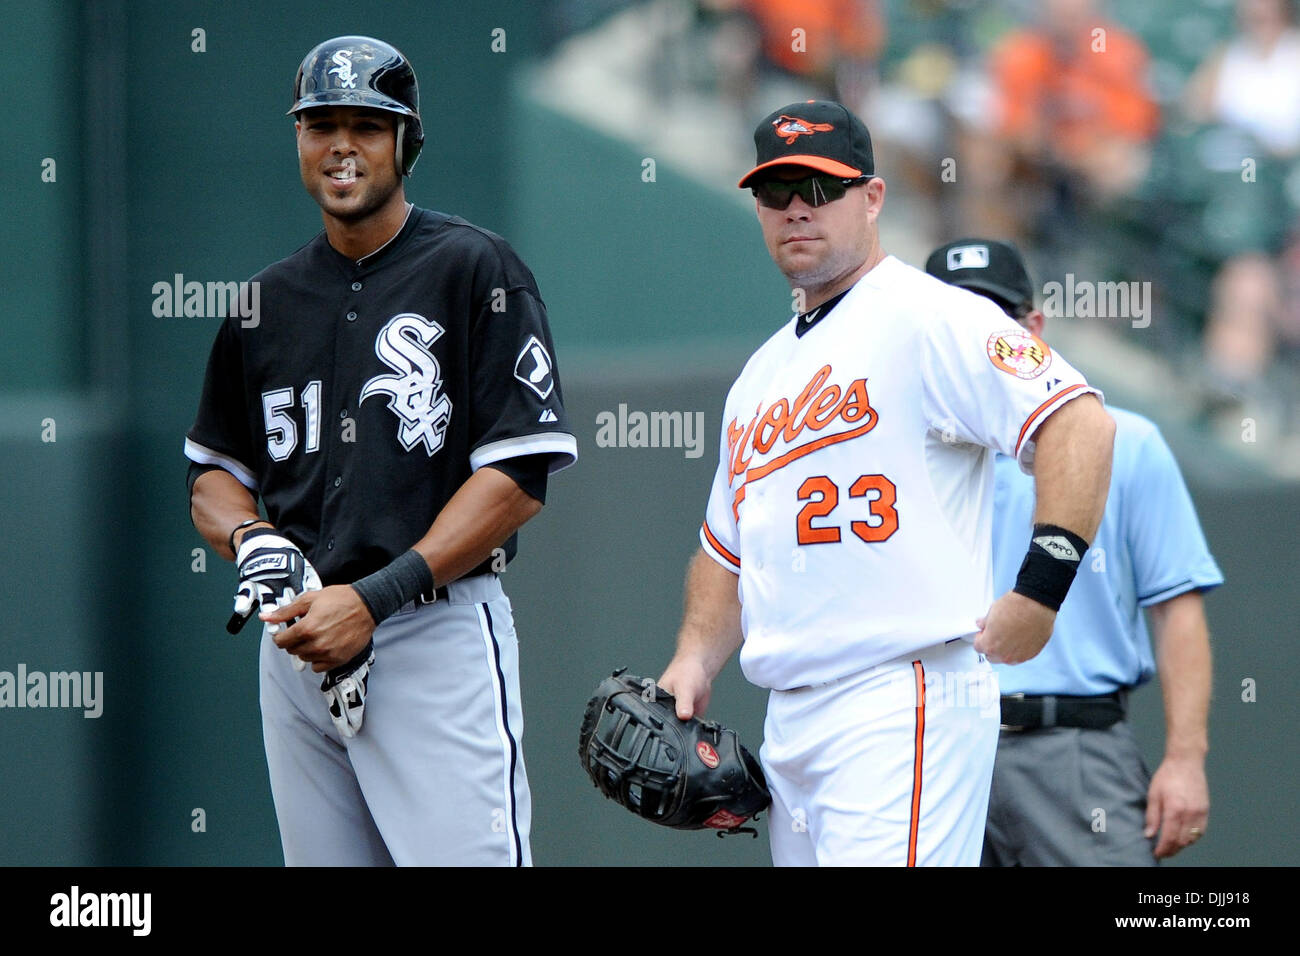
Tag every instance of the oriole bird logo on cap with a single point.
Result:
(791, 128)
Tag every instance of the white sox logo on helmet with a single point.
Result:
(403, 345)
(343, 70)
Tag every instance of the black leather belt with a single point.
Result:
(440, 593)
(1020, 712)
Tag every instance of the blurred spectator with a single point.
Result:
(1252, 85)
(836, 49)
(1245, 307)
(1251, 355)
(1288, 328)
(1072, 116)
(1253, 82)
(735, 49)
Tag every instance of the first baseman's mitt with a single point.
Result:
(687, 774)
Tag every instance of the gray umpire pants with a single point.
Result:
(436, 775)
(1068, 796)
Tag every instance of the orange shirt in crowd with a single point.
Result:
(1072, 98)
(832, 30)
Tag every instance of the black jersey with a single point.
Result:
(366, 392)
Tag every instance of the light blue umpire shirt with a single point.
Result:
(1149, 548)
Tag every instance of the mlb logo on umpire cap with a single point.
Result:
(988, 266)
(968, 257)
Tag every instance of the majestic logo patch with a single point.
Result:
(790, 128)
(1019, 353)
(343, 70)
(968, 257)
(415, 391)
(708, 756)
(533, 367)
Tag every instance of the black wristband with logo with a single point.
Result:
(1050, 565)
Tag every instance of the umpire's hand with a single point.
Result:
(1015, 629)
(335, 625)
(1178, 804)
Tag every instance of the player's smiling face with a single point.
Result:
(346, 159)
(819, 248)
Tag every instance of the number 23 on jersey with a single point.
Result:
(823, 497)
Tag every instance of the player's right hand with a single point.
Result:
(689, 682)
(325, 628)
(273, 571)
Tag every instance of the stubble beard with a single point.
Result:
(824, 274)
(372, 201)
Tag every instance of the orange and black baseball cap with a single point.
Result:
(819, 134)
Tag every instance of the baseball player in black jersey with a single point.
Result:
(396, 407)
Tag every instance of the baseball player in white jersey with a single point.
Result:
(846, 547)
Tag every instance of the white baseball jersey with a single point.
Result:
(854, 492)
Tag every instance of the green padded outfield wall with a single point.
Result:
(169, 160)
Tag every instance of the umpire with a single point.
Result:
(1070, 787)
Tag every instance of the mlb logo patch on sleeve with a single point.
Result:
(533, 367)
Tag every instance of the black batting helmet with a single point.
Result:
(363, 71)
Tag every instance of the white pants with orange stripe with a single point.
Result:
(887, 767)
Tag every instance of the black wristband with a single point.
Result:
(1050, 565)
(239, 527)
(404, 579)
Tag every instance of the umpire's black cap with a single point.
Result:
(988, 266)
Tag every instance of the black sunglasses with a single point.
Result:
(816, 190)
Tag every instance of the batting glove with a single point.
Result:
(345, 691)
(273, 571)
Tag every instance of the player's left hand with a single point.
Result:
(1015, 629)
(345, 691)
(1178, 804)
(335, 625)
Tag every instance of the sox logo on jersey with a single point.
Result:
(414, 392)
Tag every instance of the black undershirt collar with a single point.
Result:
(807, 320)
